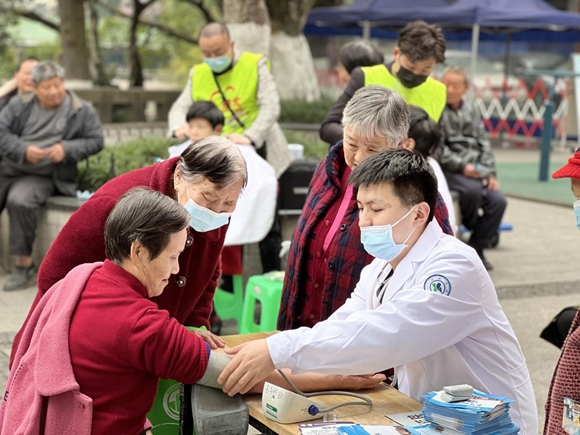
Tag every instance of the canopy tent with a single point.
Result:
(489, 15)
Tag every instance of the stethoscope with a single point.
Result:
(377, 293)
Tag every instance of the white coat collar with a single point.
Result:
(418, 253)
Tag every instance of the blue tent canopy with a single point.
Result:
(516, 14)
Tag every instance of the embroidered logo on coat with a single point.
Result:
(438, 284)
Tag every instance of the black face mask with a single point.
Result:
(408, 78)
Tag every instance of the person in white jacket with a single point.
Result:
(425, 305)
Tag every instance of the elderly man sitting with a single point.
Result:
(42, 137)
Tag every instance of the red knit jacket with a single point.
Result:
(565, 382)
(81, 240)
(121, 344)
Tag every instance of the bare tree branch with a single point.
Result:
(163, 29)
(202, 8)
(35, 17)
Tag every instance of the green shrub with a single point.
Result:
(116, 160)
(303, 112)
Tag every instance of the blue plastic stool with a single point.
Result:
(268, 290)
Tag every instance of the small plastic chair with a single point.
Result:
(230, 305)
(268, 290)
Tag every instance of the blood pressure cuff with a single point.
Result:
(206, 410)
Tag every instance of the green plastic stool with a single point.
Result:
(164, 414)
(229, 305)
(268, 290)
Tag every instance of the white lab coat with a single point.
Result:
(457, 335)
(254, 214)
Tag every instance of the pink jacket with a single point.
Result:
(42, 385)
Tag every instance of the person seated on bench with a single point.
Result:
(469, 165)
(43, 135)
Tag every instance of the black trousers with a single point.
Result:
(23, 195)
(272, 244)
(473, 196)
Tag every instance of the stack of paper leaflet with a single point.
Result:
(483, 414)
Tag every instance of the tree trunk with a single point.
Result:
(292, 62)
(136, 77)
(96, 65)
(249, 25)
(75, 55)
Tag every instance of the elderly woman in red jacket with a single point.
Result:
(96, 343)
(566, 378)
(326, 255)
(207, 180)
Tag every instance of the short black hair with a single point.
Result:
(421, 41)
(424, 131)
(146, 216)
(359, 53)
(206, 110)
(408, 173)
(28, 59)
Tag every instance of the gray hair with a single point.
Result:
(146, 216)
(46, 70)
(376, 112)
(215, 158)
(457, 70)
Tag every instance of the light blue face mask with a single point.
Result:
(378, 240)
(203, 219)
(577, 212)
(218, 64)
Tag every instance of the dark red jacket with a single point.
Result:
(121, 344)
(347, 256)
(81, 240)
(565, 381)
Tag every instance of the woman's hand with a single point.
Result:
(362, 382)
(213, 340)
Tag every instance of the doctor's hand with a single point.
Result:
(239, 139)
(251, 364)
(213, 340)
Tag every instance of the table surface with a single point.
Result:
(386, 400)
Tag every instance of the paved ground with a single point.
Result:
(535, 274)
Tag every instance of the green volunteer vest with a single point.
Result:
(431, 96)
(239, 85)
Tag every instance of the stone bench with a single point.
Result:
(51, 218)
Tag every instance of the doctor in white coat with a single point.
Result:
(425, 305)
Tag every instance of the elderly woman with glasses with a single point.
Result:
(96, 343)
(207, 180)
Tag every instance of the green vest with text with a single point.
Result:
(240, 87)
(431, 96)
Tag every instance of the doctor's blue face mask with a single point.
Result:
(203, 219)
(378, 240)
